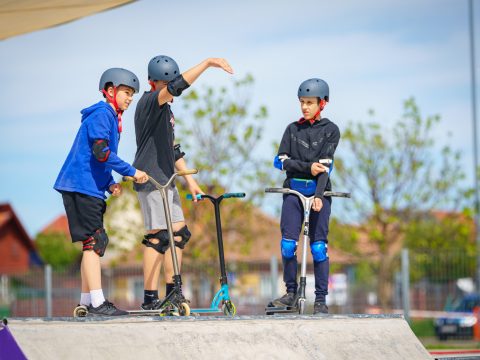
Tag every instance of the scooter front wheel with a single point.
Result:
(229, 308)
(80, 311)
(184, 309)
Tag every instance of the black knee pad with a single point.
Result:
(97, 242)
(163, 241)
(185, 234)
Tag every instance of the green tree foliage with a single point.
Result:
(443, 246)
(56, 249)
(221, 136)
(396, 175)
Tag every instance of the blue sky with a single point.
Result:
(373, 54)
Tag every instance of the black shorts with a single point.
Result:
(84, 213)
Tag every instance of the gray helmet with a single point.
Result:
(314, 88)
(119, 76)
(162, 68)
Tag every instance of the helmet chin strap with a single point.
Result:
(152, 85)
(113, 101)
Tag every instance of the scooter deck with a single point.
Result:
(82, 311)
(206, 310)
(161, 312)
(270, 310)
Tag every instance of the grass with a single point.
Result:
(424, 330)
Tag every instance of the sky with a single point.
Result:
(373, 54)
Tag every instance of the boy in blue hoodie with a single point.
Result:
(87, 174)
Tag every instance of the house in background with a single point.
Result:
(17, 250)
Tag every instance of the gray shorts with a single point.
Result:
(152, 208)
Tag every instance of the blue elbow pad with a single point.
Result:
(289, 247)
(277, 163)
(319, 251)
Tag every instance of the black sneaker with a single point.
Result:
(106, 309)
(154, 305)
(289, 299)
(320, 308)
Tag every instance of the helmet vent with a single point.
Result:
(166, 74)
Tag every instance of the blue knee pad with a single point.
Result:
(319, 250)
(289, 247)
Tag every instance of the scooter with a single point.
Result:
(299, 306)
(222, 296)
(174, 303)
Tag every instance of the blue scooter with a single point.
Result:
(222, 296)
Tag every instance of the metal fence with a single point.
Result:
(434, 281)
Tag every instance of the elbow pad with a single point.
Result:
(177, 85)
(278, 161)
(178, 152)
(100, 150)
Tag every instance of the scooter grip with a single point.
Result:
(277, 190)
(128, 178)
(190, 197)
(233, 195)
(187, 172)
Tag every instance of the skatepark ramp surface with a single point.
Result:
(207, 337)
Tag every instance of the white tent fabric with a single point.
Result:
(23, 16)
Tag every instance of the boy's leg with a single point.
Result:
(319, 222)
(290, 226)
(93, 279)
(85, 298)
(85, 220)
(168, 264)
(154, 218)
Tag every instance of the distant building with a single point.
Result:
(18, 252)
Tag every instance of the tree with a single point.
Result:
(221, 137)
(394, 175)
(56, 249)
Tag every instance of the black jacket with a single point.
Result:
(306, 143)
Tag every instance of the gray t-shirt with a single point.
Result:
(155, 138)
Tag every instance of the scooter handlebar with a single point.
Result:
(233, 195)
(277, 190)
(326, 193)
(225, 196)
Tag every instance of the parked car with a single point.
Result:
(460, 321)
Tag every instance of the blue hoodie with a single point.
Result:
(82, 172)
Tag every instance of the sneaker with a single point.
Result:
(320, 308)
(154, 305)
(289, 299)
(106, 309)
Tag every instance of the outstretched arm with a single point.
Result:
(189, 77)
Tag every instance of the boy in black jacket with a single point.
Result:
(306, 154)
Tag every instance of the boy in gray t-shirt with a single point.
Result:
(159, 157)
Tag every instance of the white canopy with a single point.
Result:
(23, 16)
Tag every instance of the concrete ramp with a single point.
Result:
(244, 337)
